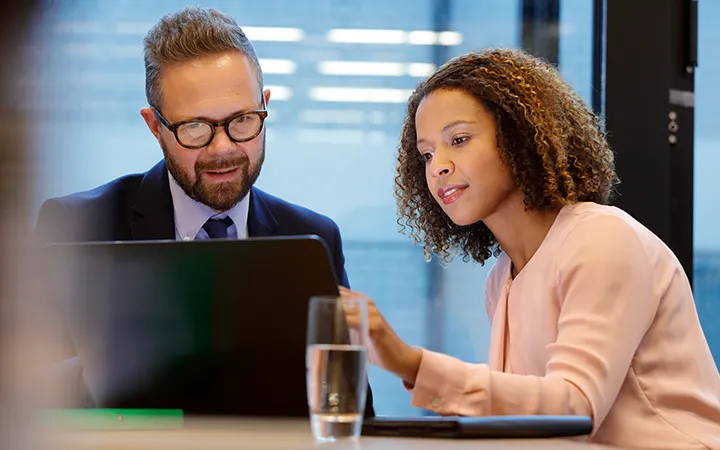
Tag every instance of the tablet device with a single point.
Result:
(491, 427)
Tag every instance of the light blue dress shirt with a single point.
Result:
(190, 215)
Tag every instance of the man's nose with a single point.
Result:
(221, 143)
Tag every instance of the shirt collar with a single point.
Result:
(191, 215)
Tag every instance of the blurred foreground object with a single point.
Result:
(22, 344)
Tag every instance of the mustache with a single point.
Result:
(221, 164)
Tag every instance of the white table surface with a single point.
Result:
(264, 434)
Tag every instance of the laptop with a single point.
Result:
(489, 427)
(214, 327)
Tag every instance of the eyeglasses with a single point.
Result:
(198, 133)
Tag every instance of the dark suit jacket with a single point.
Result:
(140, 207)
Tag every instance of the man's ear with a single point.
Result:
(148, 114)
(266, 94)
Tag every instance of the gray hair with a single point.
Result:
(188, 34)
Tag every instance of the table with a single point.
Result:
(268, 434)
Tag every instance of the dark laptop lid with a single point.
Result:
(211, 327)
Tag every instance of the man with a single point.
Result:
(207, 109)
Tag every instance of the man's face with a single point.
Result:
(214, 88)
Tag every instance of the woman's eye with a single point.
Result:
(459, 140)
(427, 156)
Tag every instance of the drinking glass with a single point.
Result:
(336, 358)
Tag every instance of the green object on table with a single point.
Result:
(113, 419)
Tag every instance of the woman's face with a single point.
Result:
(464, 171)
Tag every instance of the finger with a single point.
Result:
(350, 294)
(354, 313)
(353, 318)
(345, 292)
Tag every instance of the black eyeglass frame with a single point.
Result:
(261, 113)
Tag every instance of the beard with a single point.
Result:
(218, 196)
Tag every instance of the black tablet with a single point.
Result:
(494, 427)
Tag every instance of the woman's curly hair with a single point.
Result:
(554, 144)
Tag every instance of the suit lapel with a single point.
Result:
(261, 221)
(153, 209)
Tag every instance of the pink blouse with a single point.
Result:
(600, 322)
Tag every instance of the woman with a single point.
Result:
(591, 313)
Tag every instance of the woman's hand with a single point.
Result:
(386, 349)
